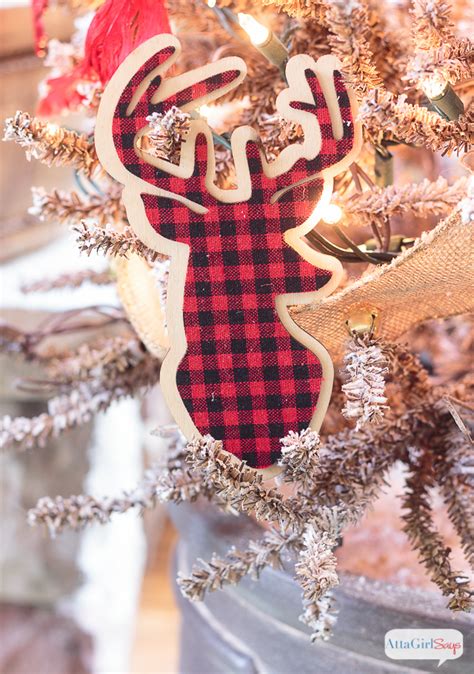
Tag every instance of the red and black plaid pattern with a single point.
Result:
(243, 380)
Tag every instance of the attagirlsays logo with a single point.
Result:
(424, 644)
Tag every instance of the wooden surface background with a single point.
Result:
(157, 632)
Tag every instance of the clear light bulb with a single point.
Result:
(332, 214)
(257, 32)
(52, 128)
(204, 110)
(433, 85)
(213, 115)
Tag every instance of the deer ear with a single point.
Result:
(124, 92)
(202, 85)
(133, 77)
(347, 114)
(147, 79)
(330, 103)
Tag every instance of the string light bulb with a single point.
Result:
(52, 129)
(332, 214)
(211, 3)
(204, 110)
(442, 96)
(212, 115)
(257, 32)
(434, 85)
(264, 40)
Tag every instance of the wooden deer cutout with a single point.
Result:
(238, 367)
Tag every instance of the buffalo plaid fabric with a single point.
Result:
(243, 380)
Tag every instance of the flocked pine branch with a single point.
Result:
(452, 61)
(70, 207)
(237, 484)
(422, 532)
(408, 373)
(237, 564)
(316, 568)
(77, 512)
(349, 29)
(168, 480)
(419, 199)
(454, 471)
(166, 135)
(353, 463)
(106, 240)
(300, 456)
(105, 359)
(365, 368)
(179, 484)
(384, 113)
(301, 9)
(177, 481)
(76, 406)
(387, 45)
(64, 412)
(316, 572)
(69, 280)
(50, 144)
(432, 23)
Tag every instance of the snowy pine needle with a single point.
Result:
(365, 368)
(77, 512)
(237, 564)
(239, 485)
(51, 144)
(92, 238)
(316, 572)
(300, 456)
(167, 133)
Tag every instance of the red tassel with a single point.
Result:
(117, 28)
(62, 95)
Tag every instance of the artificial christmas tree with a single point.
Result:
(399, 311)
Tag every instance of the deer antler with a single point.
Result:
(320, 105)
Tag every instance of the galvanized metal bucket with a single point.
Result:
(253, 628)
